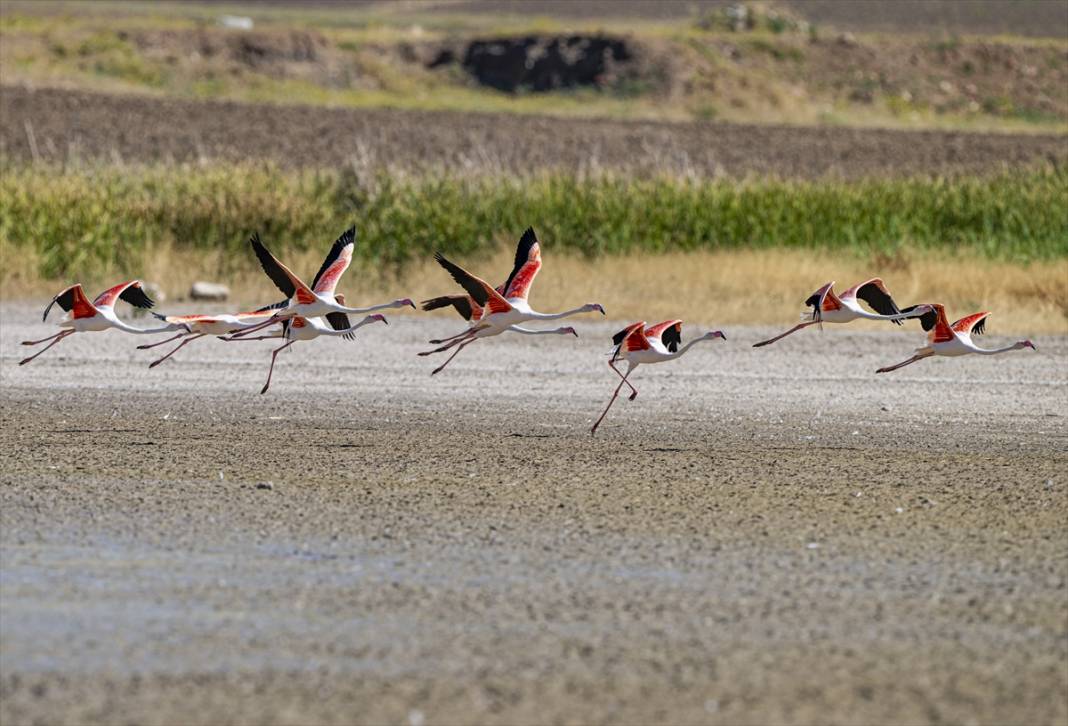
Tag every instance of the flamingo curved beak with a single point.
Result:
(719, 334)
(408, 301)
(380, 317)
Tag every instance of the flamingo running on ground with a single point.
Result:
(953, 340)
(502, 311)
(84, 316)
(638, 344)
(202, 325)
(319, 299)
(299, 328)
(830, 308)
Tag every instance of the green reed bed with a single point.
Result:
(85, 221)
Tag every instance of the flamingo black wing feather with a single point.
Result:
(65, 300)
(270, 266)
(273, 306)
(464, 279)
(672, 337)
(928, 320)
(462, 304)
(340, 321)
(879, 300)
(136, 297)
(522, 254)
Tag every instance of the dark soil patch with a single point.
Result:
(69, 125)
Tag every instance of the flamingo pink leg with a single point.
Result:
(232, 339)
(260, 326)
(146, 346)
(189, 339)
(270, 372)
(58, 337)
(634, 394)
(50, 337)
(610, 402)
(451, 337)
(902, 364)
(780, 337)
(462, 346)
(446, 346)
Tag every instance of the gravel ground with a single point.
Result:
(762, 536)
(73, 125)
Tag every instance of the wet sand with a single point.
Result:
(762, 536)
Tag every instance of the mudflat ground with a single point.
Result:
(762, 536)
(61, 126)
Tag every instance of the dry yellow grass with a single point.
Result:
(761, 287)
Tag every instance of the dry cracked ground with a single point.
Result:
(762, 536)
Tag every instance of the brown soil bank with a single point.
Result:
(761, 537)
(59, 126)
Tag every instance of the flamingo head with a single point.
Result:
(712, 335)
(590, 307)
(377, 317)
(1026, 344)
(568, 330)
(404, 302)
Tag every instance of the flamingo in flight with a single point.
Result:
(827, 307)
(299, 328)
(319, 299)
(199, 326)
(472, 312)
(953, 340)
(638, 344)
(502, 311)
(84, 316)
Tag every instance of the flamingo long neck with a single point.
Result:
(350, 329)
(995, 351)
(683, 349)
(383, 306)
(528, 331)
(143, 331)
(557, 316)
(875, 316)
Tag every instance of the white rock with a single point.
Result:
(209, 291)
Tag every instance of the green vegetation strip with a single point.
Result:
(84, 221)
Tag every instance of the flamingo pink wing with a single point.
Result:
(329, 277)
(968, 323)
(111, 295)
(942, 331)
(76, 302)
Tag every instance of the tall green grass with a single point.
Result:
(82, 222)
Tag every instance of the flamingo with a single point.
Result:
(319, 299)
(638, 344)
(830, 308)
(472, 312)
(953, 340)
(503, 310)
(201, 325)
(84, 316)
(298, 328)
